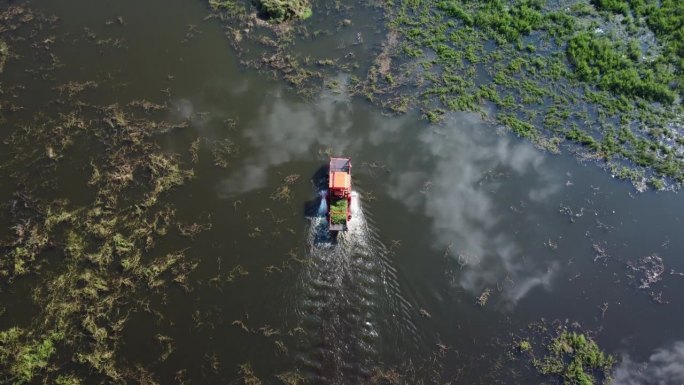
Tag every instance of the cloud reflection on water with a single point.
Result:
(287, 130)
(460, 188)
(451, 176)
(665, 366)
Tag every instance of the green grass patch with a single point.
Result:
(553, 73)
(524, 129)
(598, 60)
(23, 357)
(577, 359)
(279, 11)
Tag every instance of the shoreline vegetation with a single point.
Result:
(578, 73)
(275, 11)
(602, 79)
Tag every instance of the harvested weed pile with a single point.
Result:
(338, 212)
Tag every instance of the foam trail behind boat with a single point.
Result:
(323, 206)
(341, 301)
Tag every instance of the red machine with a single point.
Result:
(339, 193)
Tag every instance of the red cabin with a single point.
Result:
(339, 193)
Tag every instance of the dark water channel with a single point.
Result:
(445, 214)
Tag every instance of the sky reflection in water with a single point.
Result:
(447, 177)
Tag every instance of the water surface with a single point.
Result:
(442, 214)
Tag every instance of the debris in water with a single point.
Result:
(648, 270)
(657, 297)
(282, 193)
(551, 244)
(290, 179)
(600, 251)
(484, 297)
(291, 378)
(223, 151)
(248, 375)
(241, 324)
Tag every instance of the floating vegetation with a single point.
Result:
(241, 325)
(387, 376)
(247, 375)
(268, 331)
(167, 344)
(524, 346)
(237, 271)
(22, 356)
(291, 179)
(484, 297)
(4, 54)
(281, 349)
(586, 78)
(647, 270)
(192, 229)
(550, 74)
(218, 5)
(577, 359)
(73, 88)
(275, 38)
(147, 106)
(282, 193)
(279, 11)
(67, 380)
(222, 151)
(94, 246)
(292, 378)
(571, 356)
(194, 150)
(90, 263)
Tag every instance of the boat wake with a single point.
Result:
(346, 299)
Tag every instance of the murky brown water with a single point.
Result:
(445, 213)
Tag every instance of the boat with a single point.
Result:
(339, 194)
